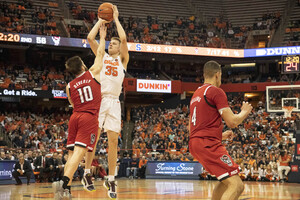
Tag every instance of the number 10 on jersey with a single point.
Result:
(85, 94)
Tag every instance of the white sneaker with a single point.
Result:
(111, 186)
(87, 183)
(59, 192)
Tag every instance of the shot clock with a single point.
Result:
(290, 64)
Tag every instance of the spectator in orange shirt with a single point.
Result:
(146, 30)
(155, 27)
(252, 160)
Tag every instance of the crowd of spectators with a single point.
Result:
(268, 21)
(12, 16)
(41, 139)
(293, 29)
(261, 139)
(18, 76)
(27, 77)
(78, 13)
(12, 19)
(189, 31)
(261, 146)
(44, 21)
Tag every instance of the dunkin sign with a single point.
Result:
(156, 86)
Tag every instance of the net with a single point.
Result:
(280, 96)
(288, 111)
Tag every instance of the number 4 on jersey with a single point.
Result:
(194, 117)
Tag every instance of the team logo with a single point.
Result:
(93, 138)
(226, 160)
(56, 40)
(294, 168)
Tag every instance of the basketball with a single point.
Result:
(105, 11)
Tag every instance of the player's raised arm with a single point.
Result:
(232, 120)
(97, 67)
(122, 35)
(92, 36)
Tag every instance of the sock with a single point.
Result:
(69, 188)
(110, 178)
(86, 171)
(66, 180)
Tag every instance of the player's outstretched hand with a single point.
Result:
(227, 135)
(247, 107)
(116, 12)
(102, 30)
(102, 21)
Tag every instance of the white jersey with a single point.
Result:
(112, 76)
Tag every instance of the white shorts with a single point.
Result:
(110, 114)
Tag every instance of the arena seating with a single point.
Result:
(291, 38)
(32, 23)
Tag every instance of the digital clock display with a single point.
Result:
(10, 37)
(290, 64)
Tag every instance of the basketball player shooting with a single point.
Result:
(207, 108)
(84, 94)
(112, 76)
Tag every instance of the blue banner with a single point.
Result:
(34, 93)
(45, 40)
(6, 168)
(275, 51)
(151, 48)
(173, 169)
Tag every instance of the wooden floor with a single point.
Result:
(153, 189)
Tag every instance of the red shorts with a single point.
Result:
(214, 157)
(83, 130)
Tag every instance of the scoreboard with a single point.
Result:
(290, 64)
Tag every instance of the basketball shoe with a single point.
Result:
(87, 183)
(59, 192)
(111, 186)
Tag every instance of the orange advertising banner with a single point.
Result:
(183, 50)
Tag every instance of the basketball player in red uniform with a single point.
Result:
(207, 108)
(84, 94)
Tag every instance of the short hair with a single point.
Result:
(74, 65)
(210, 68)
(116, 38)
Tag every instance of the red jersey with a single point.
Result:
(85, 93)
(206, 121)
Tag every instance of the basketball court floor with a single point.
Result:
(153, 189)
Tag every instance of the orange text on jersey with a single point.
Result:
(112, 63)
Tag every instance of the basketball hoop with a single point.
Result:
(288, 111)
